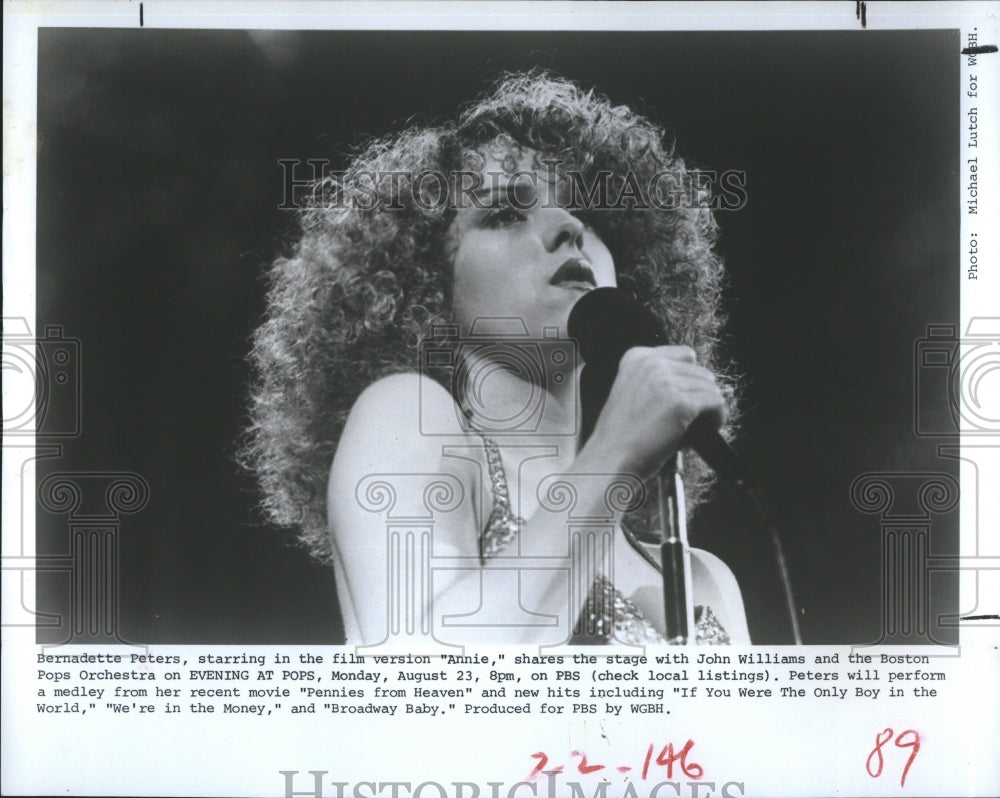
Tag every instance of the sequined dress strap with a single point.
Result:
(503, 526)
(607, 612)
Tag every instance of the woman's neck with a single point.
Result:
(509, 395)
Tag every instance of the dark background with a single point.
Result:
(158, 195)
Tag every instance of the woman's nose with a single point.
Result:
(563, 228)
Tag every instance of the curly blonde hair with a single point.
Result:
(369, 277)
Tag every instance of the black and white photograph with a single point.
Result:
(571, 341)
(212, 292)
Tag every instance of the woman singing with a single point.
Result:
(415, 413)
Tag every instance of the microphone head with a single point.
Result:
(606, 322)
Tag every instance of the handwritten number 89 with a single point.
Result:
(905, 739)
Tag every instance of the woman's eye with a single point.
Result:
(504, 216)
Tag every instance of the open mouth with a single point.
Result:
(574, 273)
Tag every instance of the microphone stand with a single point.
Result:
(675, 555)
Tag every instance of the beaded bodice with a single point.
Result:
(608, 615)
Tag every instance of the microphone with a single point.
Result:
(607, 322)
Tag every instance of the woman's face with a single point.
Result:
(518, 254)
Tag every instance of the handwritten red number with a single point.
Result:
(667, 757)
(583, 767)
(913, 744)
(880, 739)
(543, 760)
(646, 761)
(902, 741)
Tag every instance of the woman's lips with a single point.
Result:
(574, 273)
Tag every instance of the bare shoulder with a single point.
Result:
(398, 424)
(412, 402)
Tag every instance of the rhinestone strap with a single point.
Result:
(608, 615)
